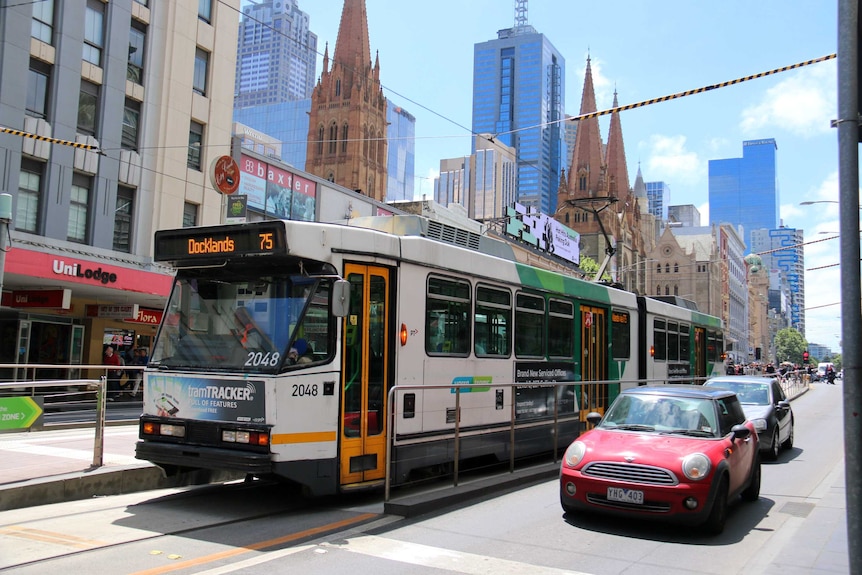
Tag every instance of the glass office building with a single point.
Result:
(401, 140)
(276, 54)
(768, 243)
(658, 194)
(744, 191)
(518, 82)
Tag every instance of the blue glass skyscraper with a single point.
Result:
(744, 191)
(519, 82)
(658, 194)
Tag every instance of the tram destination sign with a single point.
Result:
(220, 241)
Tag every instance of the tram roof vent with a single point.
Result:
(452, 235)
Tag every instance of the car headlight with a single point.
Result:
(574, 453)
(696, 466)
(759, 424)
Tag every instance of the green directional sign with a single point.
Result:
(19, 412)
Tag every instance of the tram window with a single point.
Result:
(621, 337)
(492, 322)
(684, 342)
(672, 341)
(529, 326)
(660, 340)
(561, 329)
(447, 319)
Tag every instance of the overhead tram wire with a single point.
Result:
(677, 95)
(641, 104)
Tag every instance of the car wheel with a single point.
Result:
(714, 524)
(788, 443)
(752, 492)
(775, 448)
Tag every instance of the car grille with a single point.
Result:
(630, 472)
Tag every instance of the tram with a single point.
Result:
(281, 341)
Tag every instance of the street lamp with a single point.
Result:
(812, 202)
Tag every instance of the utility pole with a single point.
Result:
(851, 291)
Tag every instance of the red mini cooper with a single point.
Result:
(672, 452)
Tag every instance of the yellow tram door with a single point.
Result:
(363, 393)
(594, 360)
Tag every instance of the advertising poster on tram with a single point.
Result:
(204, 398)
(538, 401)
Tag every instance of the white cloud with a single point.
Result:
(704, 213)
(804, 103)
(668, 160)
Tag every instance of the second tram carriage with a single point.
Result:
(282, 339)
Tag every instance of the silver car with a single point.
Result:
(766, 406)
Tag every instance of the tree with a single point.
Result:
(590, 267)
(789, 345)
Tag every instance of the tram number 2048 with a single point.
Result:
(305, 390)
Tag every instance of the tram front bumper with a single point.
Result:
(197, 457)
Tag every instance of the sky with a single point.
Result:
(643, 50)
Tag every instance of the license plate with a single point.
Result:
(625, 495)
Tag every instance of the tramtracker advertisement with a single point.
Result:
(204, 398)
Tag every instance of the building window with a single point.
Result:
(94, 32)
(88, 107)
(79, 209)
(137, 46)
(675, 268)
(658, 290)
(333, 138)
(205, 10)
(667, 290)
(202, 60)
(42, 27)
(320, 141)
(123, 219)
(190, 215)
(338, 87)
(38, 82)
(344, 138)
(131, 121)
(675, 290)
(658, 268)
(667, 268)
(29, 194)
(196, 138)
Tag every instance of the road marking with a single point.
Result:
(259, 545)
(51, 537)
(439, 558)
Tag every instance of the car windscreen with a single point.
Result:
(662, 414)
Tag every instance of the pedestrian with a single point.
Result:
(114, 373)
(830, 375)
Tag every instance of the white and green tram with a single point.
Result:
(281, 341)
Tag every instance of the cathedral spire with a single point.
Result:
(586, 170)
(615, 159)
(352, 47)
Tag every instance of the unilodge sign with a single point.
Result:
(20, 412)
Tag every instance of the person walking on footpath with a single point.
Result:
(114, 375)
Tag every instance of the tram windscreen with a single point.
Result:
(243, 324)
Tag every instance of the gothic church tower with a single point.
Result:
(347, 123)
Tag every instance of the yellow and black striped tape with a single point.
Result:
(79, 145)
(700, 90)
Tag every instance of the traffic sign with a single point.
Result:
(19, 412)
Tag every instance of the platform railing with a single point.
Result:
(96, 385)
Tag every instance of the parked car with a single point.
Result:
(672, 452)
(765, 404)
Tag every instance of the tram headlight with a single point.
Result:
(172, 430)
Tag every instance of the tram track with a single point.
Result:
(244, 516)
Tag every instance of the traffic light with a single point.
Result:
(805, 357)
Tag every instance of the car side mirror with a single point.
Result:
(783, 404)
(740, 431)
(594, 417)
(340, 298)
